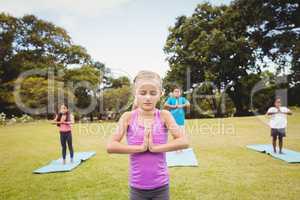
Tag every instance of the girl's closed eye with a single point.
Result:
(153, 93)
(142, 92)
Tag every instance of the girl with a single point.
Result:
(64, 119)
(278, 122)
(176, 103)
(146, 129)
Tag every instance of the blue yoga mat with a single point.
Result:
(287, 156)
(185, 157)
(58, 166)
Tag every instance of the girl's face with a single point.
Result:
(176, 93)
(277, 103)
(63, 109)
(147, 94)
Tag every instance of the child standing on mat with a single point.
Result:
(278, 123)
(176, 104)
(146, 129)
(64, 119)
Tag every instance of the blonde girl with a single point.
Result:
(146, 129)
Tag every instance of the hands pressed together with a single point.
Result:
(62, 120)
(177, 106)
(148, 141)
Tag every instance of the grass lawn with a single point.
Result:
(227, 169)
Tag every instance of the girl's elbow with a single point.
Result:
(186, 143)
(109, 148)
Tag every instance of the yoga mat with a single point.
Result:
(287, 156)
(185, 157)
(58, 166)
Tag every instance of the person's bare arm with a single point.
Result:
(288, 112)
(272, 113)
(115, 145)
(187, 104)
(168, 106)
(180, 140)
(69, 122)
(54, 121)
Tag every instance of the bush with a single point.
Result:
(2, 118)
(12, 120)
(25, 118)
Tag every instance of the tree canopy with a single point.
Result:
(228, 46)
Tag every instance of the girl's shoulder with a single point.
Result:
(164, 112)
(126, 116)
(284, 108)
(165, 115)
(272, 108)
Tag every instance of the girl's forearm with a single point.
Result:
(117, 147)
(186, 105)
(168, 106)
(177, 144)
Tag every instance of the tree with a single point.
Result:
(275, 27)
(230, 46)
(118, 99)
(119, 82)
(34, 94)
(30, 43)
(214, 48)
(86, 81)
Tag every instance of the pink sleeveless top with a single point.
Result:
(147, 170)
(65, 128)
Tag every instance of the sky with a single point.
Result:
(125, 35)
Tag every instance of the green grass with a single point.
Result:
(227, 169)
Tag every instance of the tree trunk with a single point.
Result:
(242, 109)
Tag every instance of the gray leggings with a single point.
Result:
(161, 193)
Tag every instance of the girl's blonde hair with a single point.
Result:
(148, 75)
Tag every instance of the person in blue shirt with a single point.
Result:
(176, 104)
